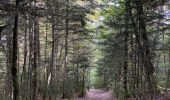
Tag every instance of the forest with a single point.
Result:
(84, 50)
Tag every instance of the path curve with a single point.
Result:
(95, 94)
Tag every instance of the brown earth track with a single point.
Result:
(95, 94)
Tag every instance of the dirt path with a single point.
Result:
(95, 94)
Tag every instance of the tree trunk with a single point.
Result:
(9, 64)
(35, 61)
(15, 54)
(77, 77)
(168, 75)
(149, 68)
(23, 75)
(66, 51)
(52, 60)
(126, 49)
(45, 66)
(83, 83)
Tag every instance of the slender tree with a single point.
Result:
(15, 54)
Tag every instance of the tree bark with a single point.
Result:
(35, 61)
(149, 68)
(15, 54)
(66, 51)
(126, 48)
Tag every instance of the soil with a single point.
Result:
(95, 94)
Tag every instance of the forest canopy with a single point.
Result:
(65, 49)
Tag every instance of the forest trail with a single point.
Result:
(95, 94)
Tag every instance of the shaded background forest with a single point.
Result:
(53, 49)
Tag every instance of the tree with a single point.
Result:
(15, 54)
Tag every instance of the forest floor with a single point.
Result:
(95, 94)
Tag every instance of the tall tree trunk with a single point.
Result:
(83, 83)
(168, 75)
(15, 54)
(77, 77)
(45, 66)
(139, 55)
(23, 75)
(35, 61)
(66, 51)
(56, 46)
(52, 59)
(126, 48)
(149, 68)
(9, 64)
